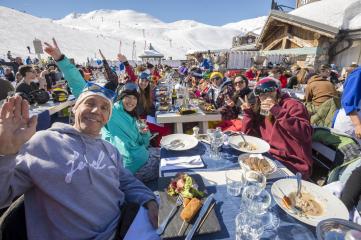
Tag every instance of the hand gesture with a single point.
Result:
(245, 104)
(101, 54)
(15, 126)
(121, 57)
(53, 51)
(43, 73)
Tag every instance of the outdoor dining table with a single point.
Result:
(227, 207)
(295, 93)
(44, 111)
(52, 107)
(178, 119)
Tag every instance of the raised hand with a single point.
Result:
(245, 104)
(121, 57)
(15, 126)
(53, 50)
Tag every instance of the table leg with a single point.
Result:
(179, 127)
(204, 127)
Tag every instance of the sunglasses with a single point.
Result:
(216, 78)
(239, 82)
(96, 88)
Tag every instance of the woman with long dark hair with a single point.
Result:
(146, 108)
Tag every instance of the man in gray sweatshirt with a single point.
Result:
(73, 181)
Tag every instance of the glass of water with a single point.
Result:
(248, 227)
(256, 179)
(235, 181)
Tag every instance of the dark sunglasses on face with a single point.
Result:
(96, 88)
(239, 82)
(216, 78)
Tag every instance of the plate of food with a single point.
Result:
(186, 110)
(208, 108)
(193, 192)
(258, 163)
(163, 108)
(178, 142)
(312, 206)
(253, 145)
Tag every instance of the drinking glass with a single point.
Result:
(257, 202)
(248, 227)
(235, 181)
(216, 141)
(264, 111)
(256, 179)
(142, 125)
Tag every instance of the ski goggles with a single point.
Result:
(265, 87)
(111, 95)
(130, 87)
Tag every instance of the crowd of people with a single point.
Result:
(108, 152)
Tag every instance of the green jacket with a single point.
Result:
(325, 112)
(121, 129)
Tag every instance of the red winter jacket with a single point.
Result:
(290, 135)
(283, 80)
(249, 74)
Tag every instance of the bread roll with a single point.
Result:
(191, 210)
(186, 201)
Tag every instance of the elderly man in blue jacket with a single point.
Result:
(73, 182)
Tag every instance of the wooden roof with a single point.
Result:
(300, 22)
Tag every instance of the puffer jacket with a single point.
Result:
(325, 113)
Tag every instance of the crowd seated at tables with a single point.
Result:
(251, 101)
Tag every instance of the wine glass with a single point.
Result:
(142, 126)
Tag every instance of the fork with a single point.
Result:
(162, 226)
(244, 139)
(174, 144)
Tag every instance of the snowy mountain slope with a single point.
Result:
(249, 25)
(81, 35)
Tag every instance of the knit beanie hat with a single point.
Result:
(86, 94)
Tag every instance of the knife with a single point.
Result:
(203, 211)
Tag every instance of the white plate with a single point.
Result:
(332, 206)
(247, 155)
(261, 145)
(189, 142)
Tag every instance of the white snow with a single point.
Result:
(342, 14)
(81, 35)
(249, 25)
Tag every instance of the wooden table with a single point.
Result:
(178, 120)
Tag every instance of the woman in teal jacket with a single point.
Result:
(121, 129)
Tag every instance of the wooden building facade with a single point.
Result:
(288, 34)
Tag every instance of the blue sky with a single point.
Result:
(214, 12)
